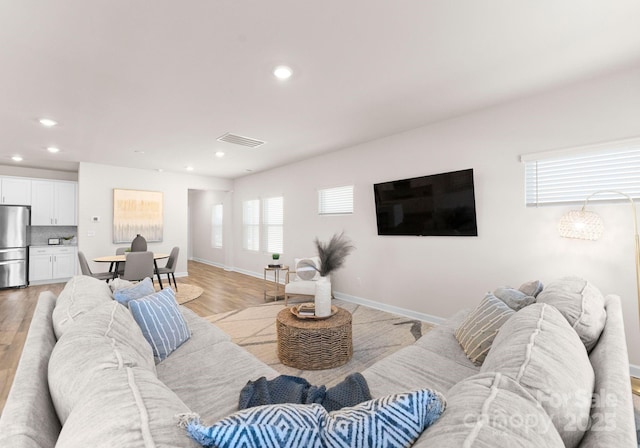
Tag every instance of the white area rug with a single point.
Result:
(376, 334)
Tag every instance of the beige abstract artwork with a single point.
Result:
(137, 212)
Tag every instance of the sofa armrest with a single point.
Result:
(612, 416)
(29, 418)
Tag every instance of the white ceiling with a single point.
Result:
(168, 77)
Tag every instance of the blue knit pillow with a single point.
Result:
(137, 291)
(390, 422)
(161, 322)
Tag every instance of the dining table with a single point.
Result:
(115, 261)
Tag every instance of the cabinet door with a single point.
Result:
(40, 266)
(15, 191)
(65, 204)
(64, 264)
(42, 203)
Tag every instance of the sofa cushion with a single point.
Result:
(581, 303)
(478, 330)
(216, 375)
(161, 322)
(135, 291)
(393, 421)
(80, 295)
(435, 361)
(490, 409)
(541, 352)
(107, 338)
(125, 407)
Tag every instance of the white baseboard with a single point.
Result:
(634, 370)
(212, 263)
(390, 308)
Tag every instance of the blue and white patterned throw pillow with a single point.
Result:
(137, 291)
(389, 422)
(161, 322)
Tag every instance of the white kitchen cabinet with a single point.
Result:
(52, 263)
(15, 191)
(53, 203)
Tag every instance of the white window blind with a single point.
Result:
(335, 201)
(216, 226)
(272, 223)
(572, 177)
(251, 225)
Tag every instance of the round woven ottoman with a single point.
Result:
(314, 344)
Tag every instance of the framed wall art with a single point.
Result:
(137, 212)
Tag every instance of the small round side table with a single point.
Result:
(275, 292)
(314, 344)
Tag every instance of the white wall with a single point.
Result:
(95, 198)
(439, 275)
(200, 208)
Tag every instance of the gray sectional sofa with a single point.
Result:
(86, 364)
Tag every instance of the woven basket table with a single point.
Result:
(310, 344)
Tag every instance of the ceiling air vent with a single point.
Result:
(240, 140)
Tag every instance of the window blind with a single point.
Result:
(251, 225)
(571, 178)
(216, 226)
(272, 222)
(335, 201)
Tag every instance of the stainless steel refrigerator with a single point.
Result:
(14, 242)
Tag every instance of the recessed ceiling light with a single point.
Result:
(48, 122)
(219, 154)
(16, 158)
(248, 170)
(53, 149)
(159, 170)
(189, 168)
(282, 72)
(137, 151)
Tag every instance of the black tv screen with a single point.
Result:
(440, 205)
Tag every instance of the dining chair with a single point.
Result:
(138, 266)
(121, 251)
(86, 270)
(170, 267)
(302, 280)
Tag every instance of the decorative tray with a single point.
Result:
(294, 311)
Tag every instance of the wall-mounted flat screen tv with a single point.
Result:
(440, 205)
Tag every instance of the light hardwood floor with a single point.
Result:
(223, 291)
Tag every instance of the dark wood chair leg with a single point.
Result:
(155, 265)
(174, 280)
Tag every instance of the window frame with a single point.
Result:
(568, 176)
(259, 227)
(339, 206)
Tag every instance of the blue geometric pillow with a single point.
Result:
(141, 289)
(161, 322)
(389, 422)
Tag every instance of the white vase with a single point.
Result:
(323, 297)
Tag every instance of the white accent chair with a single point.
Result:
(302, 280)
